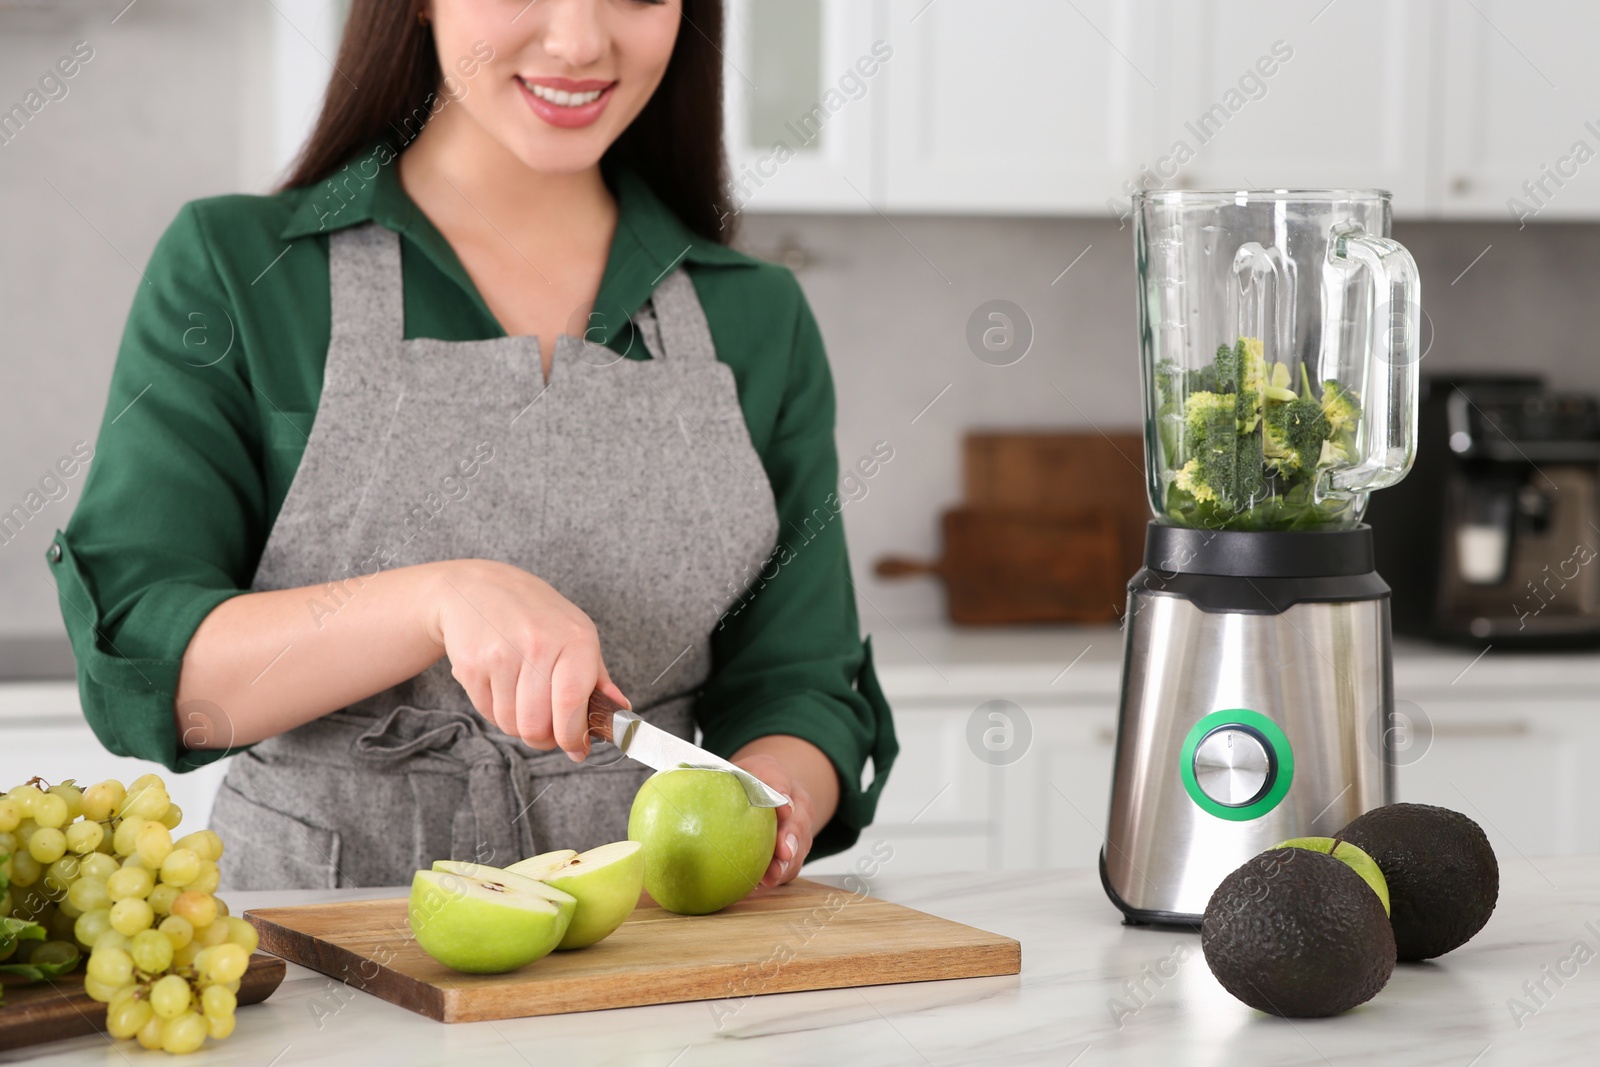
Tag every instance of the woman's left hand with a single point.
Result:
(794, 818)
(799, 770)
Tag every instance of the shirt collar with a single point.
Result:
(649, 242)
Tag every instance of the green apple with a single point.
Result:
(705, 844)
(1357, 860)
(485, 921)
(606, 881)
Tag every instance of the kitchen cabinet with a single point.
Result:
(944, 805)
(1266, 97)
(1020, 106)
(1517, 96)
(803, 81)
(1521, 770)
(1037, 107)
(937, 808)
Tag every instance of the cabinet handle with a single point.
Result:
(1516, 728)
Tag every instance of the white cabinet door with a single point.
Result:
(1020, 106)
(936, 811)
(1275, 95)
(1520, 94)
(802, 81)
(945, 808)
(1518, 766)
(1056, 799)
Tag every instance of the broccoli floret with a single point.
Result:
(1173, 383)
(1341, 406)
(1294, 433)
(1187, 478)
(1225, 461)
(1240, 366)
(1227, 366)
(1206, 414)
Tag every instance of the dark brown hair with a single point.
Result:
(675, 143)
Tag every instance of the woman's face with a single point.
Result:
(554, 81)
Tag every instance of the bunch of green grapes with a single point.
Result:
(99, 870)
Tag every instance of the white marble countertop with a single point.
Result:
(1085, 662)
(1076, 958)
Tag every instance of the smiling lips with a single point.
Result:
(565, 102)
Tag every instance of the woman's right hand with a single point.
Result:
(526, 655)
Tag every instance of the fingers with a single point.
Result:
(609, 688)
(793, 842)
(789, 854)
(476, 684)
(503, 697)
(532, 722)
(574, 677)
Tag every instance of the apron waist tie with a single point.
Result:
(485, 828)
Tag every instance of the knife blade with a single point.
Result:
(655, 747)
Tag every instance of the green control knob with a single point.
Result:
(1236, 764)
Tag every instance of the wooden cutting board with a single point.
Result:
(1064, 472)
(50, 1011)
(800, 936)
(1007, 566)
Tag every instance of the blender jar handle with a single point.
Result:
(1387, 434)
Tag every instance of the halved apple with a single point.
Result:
(482, 920)
(606, 880)
(544, 863)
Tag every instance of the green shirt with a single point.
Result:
(218, 379)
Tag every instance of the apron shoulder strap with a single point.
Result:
(365, 284)
(678, 321)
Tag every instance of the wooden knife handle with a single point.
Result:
(601, 709)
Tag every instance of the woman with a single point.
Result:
(478, 415)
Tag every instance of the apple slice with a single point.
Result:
(482, 871)
(482, 920)
(544, 863)
(606, 880)
(1351, 856)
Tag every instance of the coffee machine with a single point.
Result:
(1496, 538)
(1278, 338)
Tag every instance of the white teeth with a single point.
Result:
(562, 98)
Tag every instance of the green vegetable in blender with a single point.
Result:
(1248, 451)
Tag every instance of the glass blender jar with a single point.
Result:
(1278, 342)
(1278, 339)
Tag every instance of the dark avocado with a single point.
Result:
(1443, 877)
(1298, 933)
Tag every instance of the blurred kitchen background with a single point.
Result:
(914, 161)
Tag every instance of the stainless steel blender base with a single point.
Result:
(1220, 710)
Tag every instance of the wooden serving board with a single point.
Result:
(50, 1011)
(800, 936)
(1004, 566)
(1071, 472)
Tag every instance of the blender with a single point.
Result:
(1278, 343)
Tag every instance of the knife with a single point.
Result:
(655, 747)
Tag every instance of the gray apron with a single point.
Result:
(631, 486)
